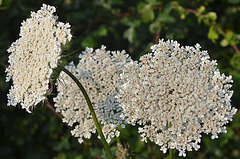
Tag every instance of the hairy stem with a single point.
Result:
(91, 110)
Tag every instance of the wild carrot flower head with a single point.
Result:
(99, 73)
(34, 55)
(175, 94)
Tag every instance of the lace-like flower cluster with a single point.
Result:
(99, 73)
(176, 93)
(34, 55)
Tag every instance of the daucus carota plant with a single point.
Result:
(175, 93)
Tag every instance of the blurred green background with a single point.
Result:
(132, 25)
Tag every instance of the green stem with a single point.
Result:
(171, 154)
(91, 110)
(118, 139)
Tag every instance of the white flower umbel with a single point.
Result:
(99, 73)
(34, 55)
(176, 94)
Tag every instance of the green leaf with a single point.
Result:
(126, 21)
(237, 36)
(147, 14)
(129, 34)
(233, 42)
(155, 26)
(131, 22)
(229, 35)
(213, 34)
(224, 43)
(235, 61)
(165, 16)
(231, 38)
(200, 18)
(183, 16)
(212, 16)
(146, 11)
(201, 9)
(89, 41)
(102, 31)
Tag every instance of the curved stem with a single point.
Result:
(91, 110)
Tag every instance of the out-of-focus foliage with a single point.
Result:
(132, 25)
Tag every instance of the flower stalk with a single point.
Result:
(171, 154)
(91, 110)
